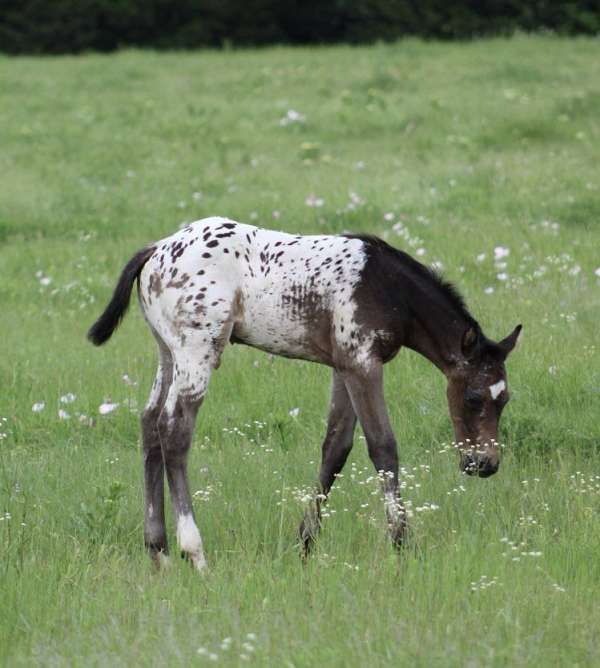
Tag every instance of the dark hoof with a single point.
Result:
(160, 559)
(307, 538)
(399, 535)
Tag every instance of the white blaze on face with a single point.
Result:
(497, 388)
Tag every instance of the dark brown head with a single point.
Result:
(477, 393)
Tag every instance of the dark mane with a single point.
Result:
(447, 289)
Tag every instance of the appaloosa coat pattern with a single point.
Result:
(349, 302)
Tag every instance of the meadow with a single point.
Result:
(480, 158)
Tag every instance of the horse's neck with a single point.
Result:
(436, 334)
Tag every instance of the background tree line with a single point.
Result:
(67, 26)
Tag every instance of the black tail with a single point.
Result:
(106, 324)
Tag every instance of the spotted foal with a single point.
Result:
(349, 302)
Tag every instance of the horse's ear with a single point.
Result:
(510, 341)
(470, 342)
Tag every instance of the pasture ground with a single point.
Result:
(457, 149)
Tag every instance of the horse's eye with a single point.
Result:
(474, 400)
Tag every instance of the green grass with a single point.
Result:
(469, 146)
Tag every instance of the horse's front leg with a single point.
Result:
(365, 387)
(335, 450)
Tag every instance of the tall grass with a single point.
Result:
(449, 151)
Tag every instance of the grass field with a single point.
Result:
(449, 151)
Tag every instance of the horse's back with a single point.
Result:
(288, 294)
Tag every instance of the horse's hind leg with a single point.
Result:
(155, 536)
(192, 367)
(179, 420)
(335, 450)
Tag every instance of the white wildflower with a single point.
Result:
(314, 201)
(38, 406)
(292, 116)
(128, 381)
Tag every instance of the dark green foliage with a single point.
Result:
(66, 26)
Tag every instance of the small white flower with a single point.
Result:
(292, 116)
(294, 412)
(388, 216)
(128, 381)
(68, 398)
(480, 257)
(314, 201)
(489, 290)
(45, 280)
(500, 252)
(420, 252)
(63, 415)
(38, 406)
(502, 276)
(597, 272)
(106, 408)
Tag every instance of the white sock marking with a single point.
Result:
(189, 540)
(393, 507)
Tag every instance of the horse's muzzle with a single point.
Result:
(483, 465)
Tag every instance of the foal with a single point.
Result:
(349, 302)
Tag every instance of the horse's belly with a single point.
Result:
(284, 325)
